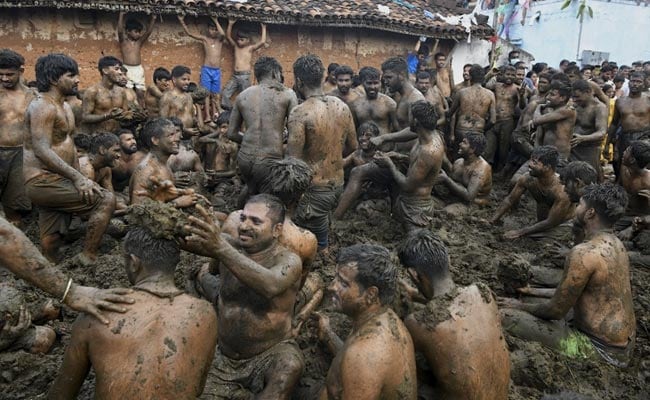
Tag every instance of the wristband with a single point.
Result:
(67, 290)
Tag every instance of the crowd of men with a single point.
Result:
(307, 155)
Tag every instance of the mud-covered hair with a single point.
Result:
(422, 75)
(369, 74)
(572, 69)
(396, 64)
(133, 24)
(108, 61)
(581, 85)
(9, 59)
(425, 114)
(155, 253)
(476, 74)
(560, 76)
(608, 199)
(277, 210)
(343, 70)
(426, 253)
(103, 139)
(51, 67)
(368, 126)
(82, 141)
(309, 69)
(161, 73)
(332, 67)
(563, 88)
(637, 74)
(223, 118)
(547, 155)
(545, 75)
(180, 70)
(153, 128)
(375, 267)
(477, 142)
(287, 179)
(640, 150)
(579, 170)
(508, 68)
(264, 66)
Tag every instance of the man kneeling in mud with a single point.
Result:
(161, 348)
(414, 205)
(256, 356)
(377, 360)
(553, 204)
(595, 283)
(457, 329)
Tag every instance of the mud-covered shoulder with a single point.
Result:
(436, 311)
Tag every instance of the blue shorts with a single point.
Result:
(211, 79)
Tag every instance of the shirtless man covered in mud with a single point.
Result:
(263, 109)
(161, 83)
(458, 328)
(590, 127)
(374, 107)
(14, 99)
(432, 95)
(444, 75)
(321, 133)
(471, 176)
(414, 205)
(260, 278)
(556, 120)
(344, 91)
(178, 103)
(128, 161)
(474, 108)
(105, 104)
(635, 179)
(395, 77)
(595, 285)
(553, 204)
(51, 168)
(162, 347)
(103, 155)
(377, 360)
(632, 115)
(152, 178)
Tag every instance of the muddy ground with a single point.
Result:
(476, 250)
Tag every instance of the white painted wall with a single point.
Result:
(619, 27)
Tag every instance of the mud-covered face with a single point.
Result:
(519, 76)
(372, 88)
(636, 84)
(464, 148)
(581, 213)
(223, 128)
(573, 189)
(182, 82)
(543, 85)
(423, 85)
(344, 83)
(162, 84)
(9, 78)
(364, 139)
(68, 84)
(392, 81)
(256, 230)
(581, 98)
(128, 144)
(169, 141)
(554, 98)
(112, 155)
(347, 294)
(509, 77)
(536, 167)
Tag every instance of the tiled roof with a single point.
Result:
(414, 17)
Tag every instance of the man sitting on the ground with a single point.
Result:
(595, 284)
(377, 360)
(260, 278)
(162, 347)
(471, 176)
(465, 349)
(129, 159)
(104, 154)
(543, 184)
(635, 179)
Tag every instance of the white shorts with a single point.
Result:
(135, 73)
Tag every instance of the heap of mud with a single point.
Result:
(478, 254)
